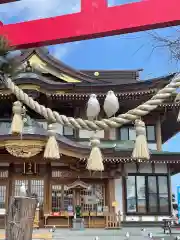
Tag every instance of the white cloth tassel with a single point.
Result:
(17, 121)
(52, 148)
(141, 150)
(95, 160)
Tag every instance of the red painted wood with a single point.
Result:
(95, 20)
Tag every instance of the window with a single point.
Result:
(129, 133)
(152, 194)
(56, 195)
(147, 195)
(141, 194)
(68, 131)
(163, 194)
(32, 186)
(90, 200)
(131, 194)
(2, 196)
(62, 198)
(93, 198)
(37, 187)
(150, 132)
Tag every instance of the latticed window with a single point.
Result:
(62, 198)
(68, 198)
(18, 184)
(93, 198)
(56, 198)
(32, 186)
(37, 187)
(3, 196)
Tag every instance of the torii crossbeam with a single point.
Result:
(95, 20)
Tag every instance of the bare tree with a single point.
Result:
(170, 43)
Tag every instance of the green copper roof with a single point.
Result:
(127, 146)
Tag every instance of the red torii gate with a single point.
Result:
(95, 20)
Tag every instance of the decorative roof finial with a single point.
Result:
(28, 67)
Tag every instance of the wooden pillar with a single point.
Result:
(111, 194)
(10, 183)
(47, 181)
(170, 187)
(158, 134)
(124, 192)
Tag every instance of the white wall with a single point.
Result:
(161, 168)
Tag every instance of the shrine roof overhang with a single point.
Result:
(112, 153)
(32, 81)
(43, 54)
(40, 58)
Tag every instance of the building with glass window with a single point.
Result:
(139, 191)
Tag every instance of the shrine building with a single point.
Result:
(140, 191)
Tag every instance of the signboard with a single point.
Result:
(178, 202)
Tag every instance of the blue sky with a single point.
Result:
(130, 51)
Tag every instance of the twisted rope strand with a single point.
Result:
(114, 122)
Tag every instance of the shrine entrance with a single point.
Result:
(77, 187)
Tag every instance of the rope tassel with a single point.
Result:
(141, 150)
(95, 160)
(17, 121)
(52, 148)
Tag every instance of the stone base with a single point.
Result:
(78, 224)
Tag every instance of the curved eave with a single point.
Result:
(58, 65)
(79, 89)
(73, 149)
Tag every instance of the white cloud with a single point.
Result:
(26, 10)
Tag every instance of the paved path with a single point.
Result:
(41, 234)
(135, 234)
(90, 234)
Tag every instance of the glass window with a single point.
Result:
(152, 194)
(150, 133)
(129, 133)
(2, 196)
(32, 186)
(68, 131)
(68, 198)
(141, 196)
(17, 185)
(147, 194)
(56, 195)
(132, 133)
(131, 194)
(124, 133)
(37, 187)
(163, 194)
(93, 198)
